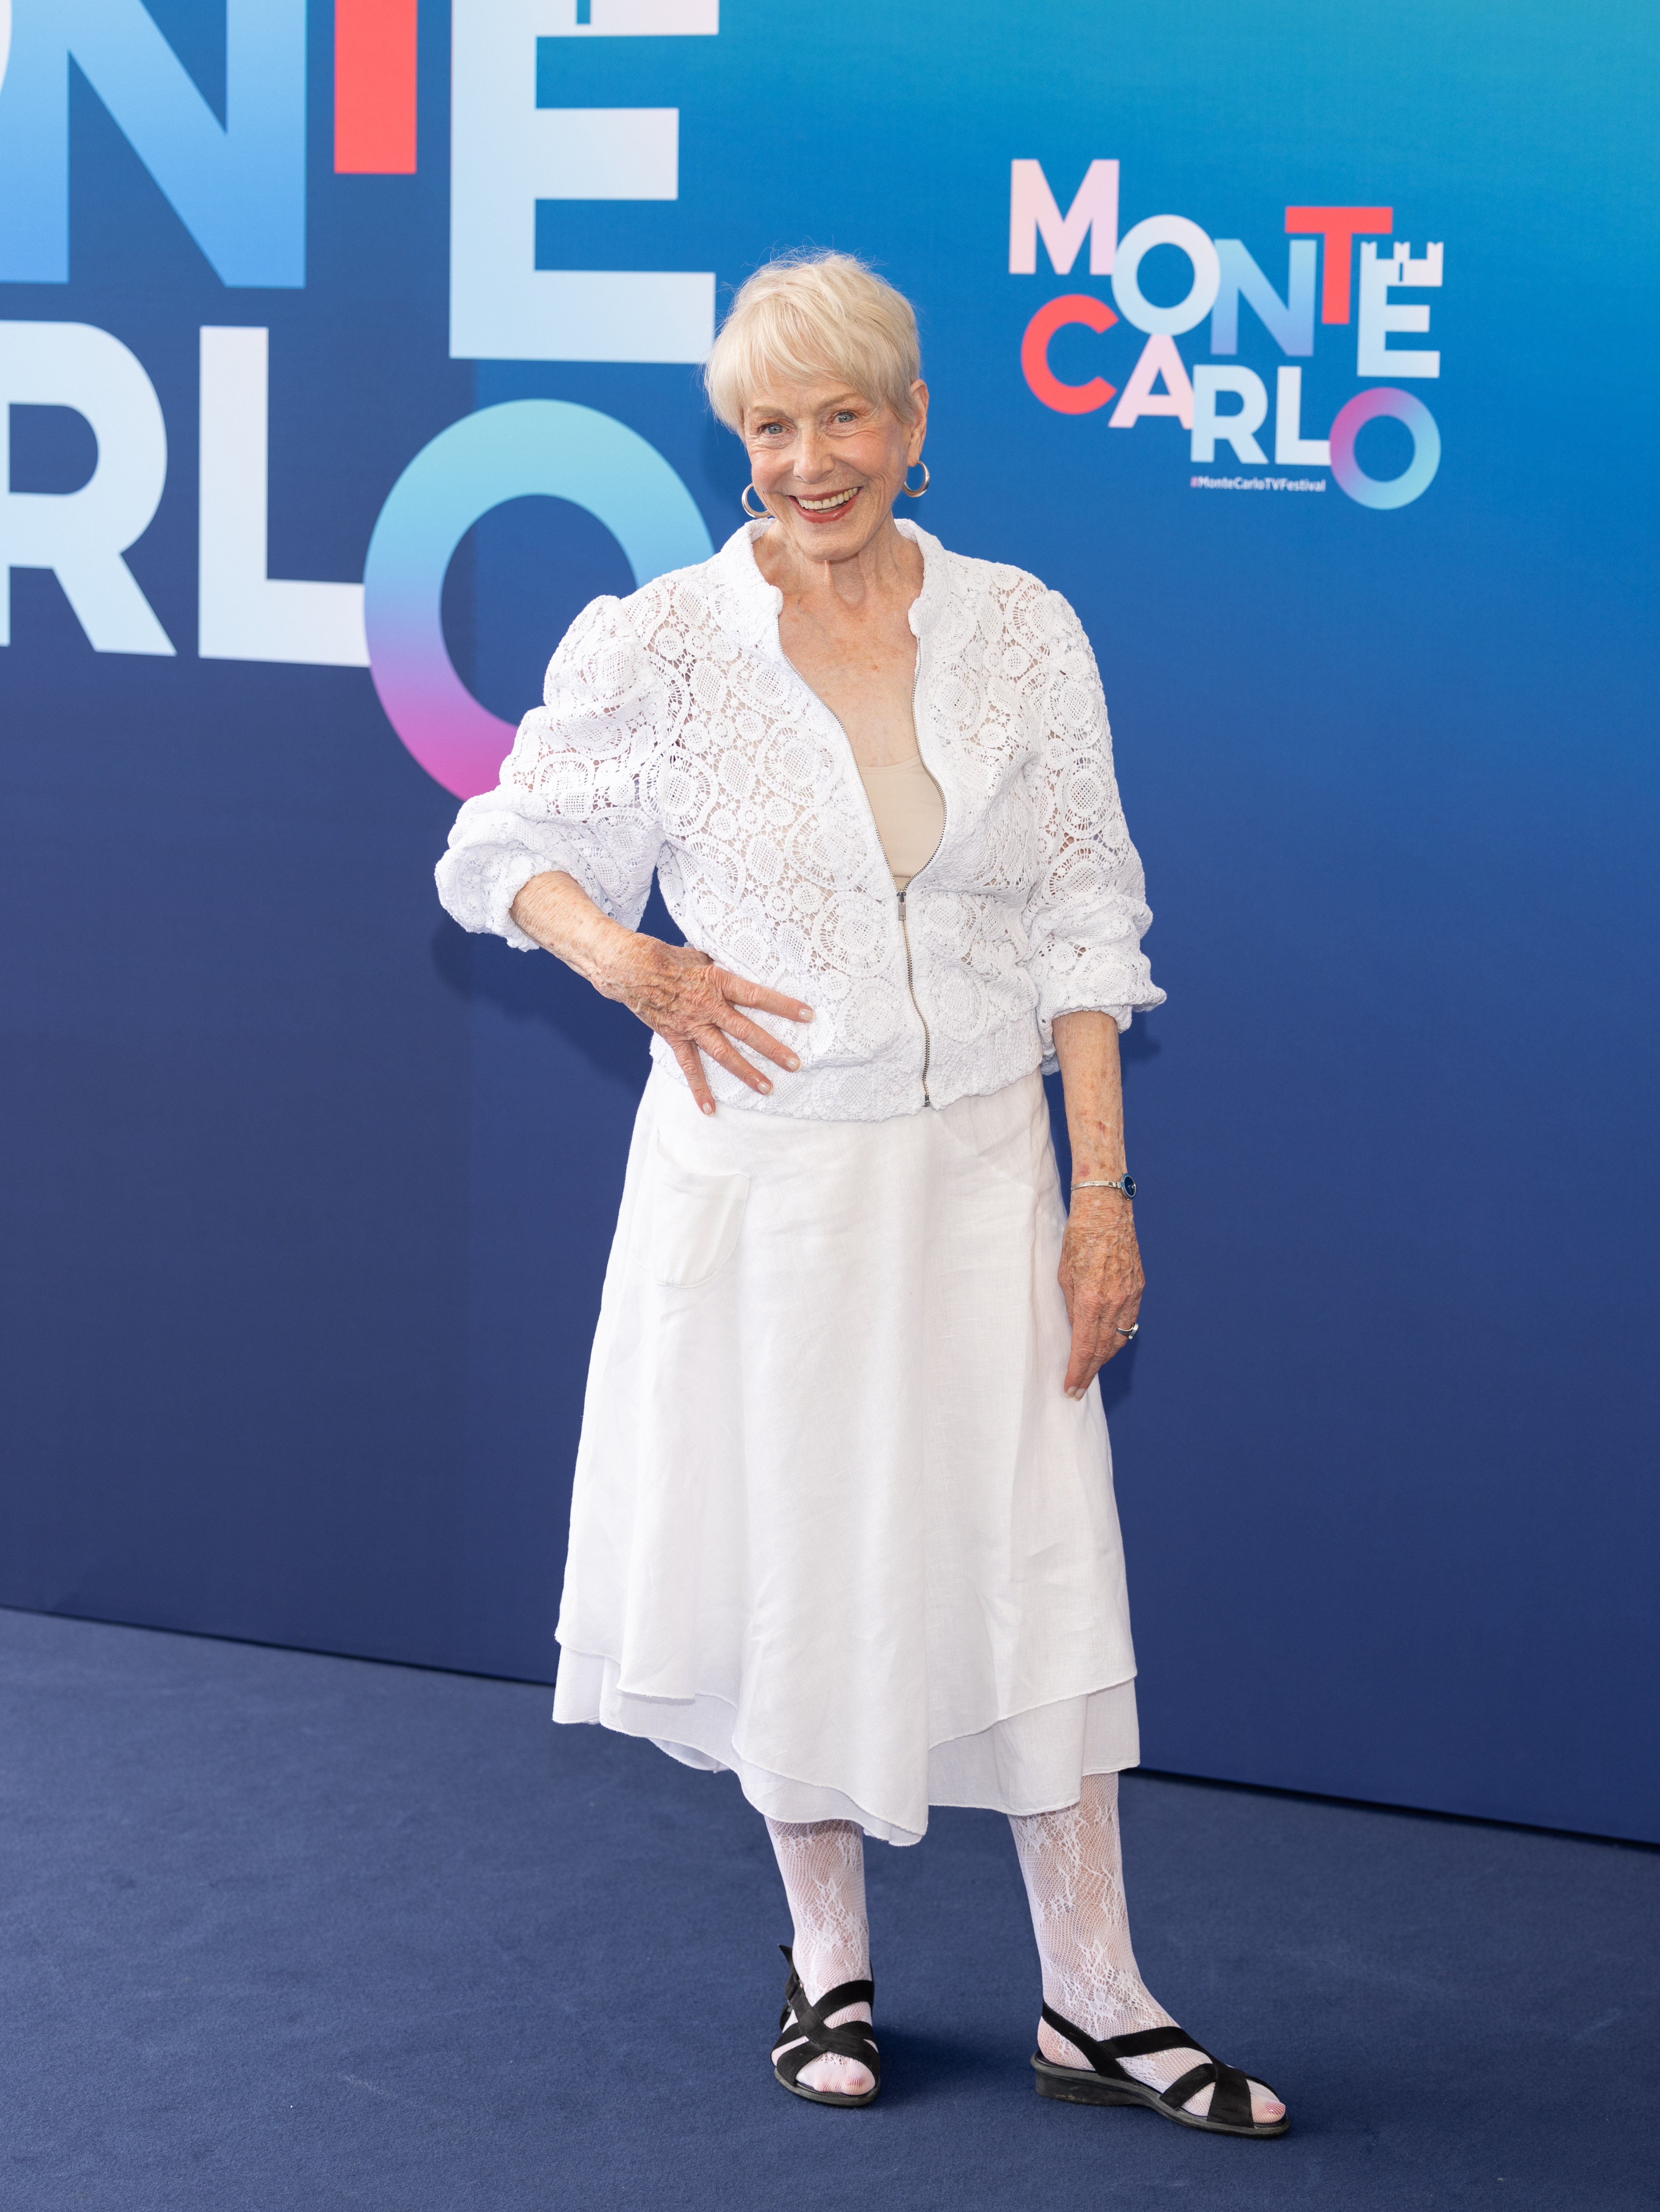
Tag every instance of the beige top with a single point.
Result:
(910, 814)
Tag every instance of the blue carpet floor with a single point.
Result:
(291, 1934)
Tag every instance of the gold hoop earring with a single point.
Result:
(755, 514)
(920, 488)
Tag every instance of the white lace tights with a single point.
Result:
(822, 1863)
(1075, 1875)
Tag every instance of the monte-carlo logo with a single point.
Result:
(1219, 403)
(238, 188)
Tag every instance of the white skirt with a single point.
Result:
(836, 1525)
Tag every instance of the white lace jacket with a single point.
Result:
(677, 737)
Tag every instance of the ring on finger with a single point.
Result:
(1134, 1329)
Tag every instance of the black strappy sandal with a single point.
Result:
(1108, 2084)
(853, 2041)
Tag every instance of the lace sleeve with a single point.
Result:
(1087, 915)
(573, 793)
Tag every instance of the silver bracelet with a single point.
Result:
(1124, 1182)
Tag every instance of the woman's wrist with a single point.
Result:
(604, 952)
(1107, 1167)
(554, 909)
(1108, 1212)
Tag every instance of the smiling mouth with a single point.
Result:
(831, 501)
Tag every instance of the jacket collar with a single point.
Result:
(754, 604)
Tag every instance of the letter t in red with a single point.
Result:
(374, 84)
(1338, 226)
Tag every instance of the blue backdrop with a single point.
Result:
(306, 1196)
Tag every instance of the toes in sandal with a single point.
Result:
(853, 2040)
(1107, 2083)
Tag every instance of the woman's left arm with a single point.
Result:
(1101, 1276)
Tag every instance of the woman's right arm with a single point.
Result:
(693, 1005)
(563, 852)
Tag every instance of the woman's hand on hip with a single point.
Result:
(697, 1008)
(1101, 1281)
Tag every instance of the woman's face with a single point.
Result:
(829, 463)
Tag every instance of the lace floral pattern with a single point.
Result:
(1074, 1871)
(1073, 1864)
(822, 1866)
(675, 737)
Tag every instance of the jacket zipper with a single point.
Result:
(928, 1040)
(904, 923)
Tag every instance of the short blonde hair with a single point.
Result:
(807, 313)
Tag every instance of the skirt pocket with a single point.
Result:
(693, 1220)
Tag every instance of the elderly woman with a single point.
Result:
(843, 1519)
